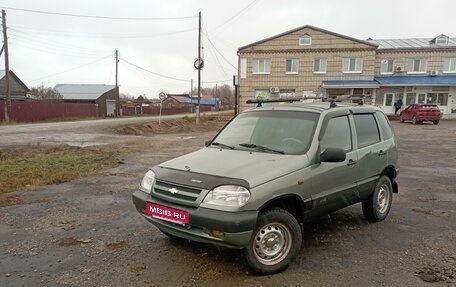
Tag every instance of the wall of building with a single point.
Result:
(16, 89)
(101, 101)
(435, 59)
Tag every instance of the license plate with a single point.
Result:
(167, 213)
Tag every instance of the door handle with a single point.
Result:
(351, 162)
(380, 153)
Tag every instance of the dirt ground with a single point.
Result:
(87, 232)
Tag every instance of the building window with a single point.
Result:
(417, 66)
(320, 66)
(243, 68)
(305, 40)
(262, 66)
(387, 66)
(441, 41)
(449, 65)
(292, 66)
(352, 65)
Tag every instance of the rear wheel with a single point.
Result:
(378, 205)
(414, 120)
(275, 242)
(401, 118)
(435, 122)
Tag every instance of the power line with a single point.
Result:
(168, 77)
(95, 35)
(58, 45)
(99, 17)
(154, 73)
(71, 69)
(212, 44)
(34, 48)
(236, 15)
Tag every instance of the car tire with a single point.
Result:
(401, 119)
(435, 122)
(414, 120)
(377, 206)
(275, 242)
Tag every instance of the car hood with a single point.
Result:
(254, 167)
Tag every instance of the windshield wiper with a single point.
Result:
(222, 145)
(261, 148)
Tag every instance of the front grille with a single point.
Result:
(181, 194)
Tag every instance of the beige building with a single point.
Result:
(309, 61)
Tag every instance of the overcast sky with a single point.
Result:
(51, 49)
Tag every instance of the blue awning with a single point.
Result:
(417, 81)
(350, 84)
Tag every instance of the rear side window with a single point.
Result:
(384, 126)
(366, 130)
(337, 134)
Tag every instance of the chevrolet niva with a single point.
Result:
(267, 172)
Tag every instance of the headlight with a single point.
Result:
(228, 195)
(148, 182)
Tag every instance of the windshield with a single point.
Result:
(285, 132)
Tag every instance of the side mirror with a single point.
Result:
(332, 154)
(207, 143)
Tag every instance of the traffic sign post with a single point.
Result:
(161, 96)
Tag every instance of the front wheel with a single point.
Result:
(378, 205)
(414, 120)
(275, 242)
(435, 122)
(401, 118)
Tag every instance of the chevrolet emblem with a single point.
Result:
(173, 190)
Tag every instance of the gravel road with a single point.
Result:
(87, 232)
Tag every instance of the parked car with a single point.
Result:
(419, 113)
(270, 170)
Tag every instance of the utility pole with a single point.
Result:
(117, 86)
(214, 97)
(7, 81)
(200, 63)
(191, 88)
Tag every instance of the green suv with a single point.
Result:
(267, 172)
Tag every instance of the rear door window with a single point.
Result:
(366, 129)
(384, 126)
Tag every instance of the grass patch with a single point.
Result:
(32, 166)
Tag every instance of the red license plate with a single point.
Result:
(167, 213)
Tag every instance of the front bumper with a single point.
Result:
(237, 227)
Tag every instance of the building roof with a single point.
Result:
(83, 91)
(187, 100)
(413, 43)
(310, 27)
(2, 75)
(351, 84)
(416, 80)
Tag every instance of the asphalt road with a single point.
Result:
(87, 232)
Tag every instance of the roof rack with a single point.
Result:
(260, 102)
(359, 99)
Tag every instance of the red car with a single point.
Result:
(418, 113)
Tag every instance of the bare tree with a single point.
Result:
(46, 94)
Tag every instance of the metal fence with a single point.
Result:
(39, 111)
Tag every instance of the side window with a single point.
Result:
(384, 125)
(337, 134)
(366, 130)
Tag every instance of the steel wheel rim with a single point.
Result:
(272, 243)
(383, 198)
